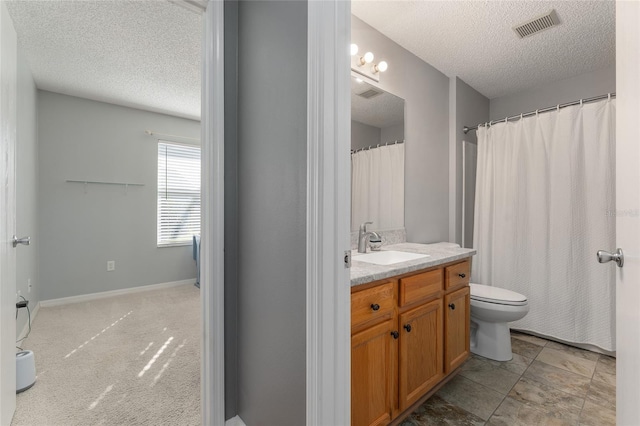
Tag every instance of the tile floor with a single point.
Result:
(546, 383)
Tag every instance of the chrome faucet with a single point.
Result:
(364, 235)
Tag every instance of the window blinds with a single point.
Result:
(178, 193)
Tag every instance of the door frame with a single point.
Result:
(8, 128)
(212, 244)
(626, 214)
(328, 347)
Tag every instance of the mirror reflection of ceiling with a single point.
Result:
(380, 111)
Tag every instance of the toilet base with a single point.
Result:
(491, 340)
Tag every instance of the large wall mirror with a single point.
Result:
(377, 157)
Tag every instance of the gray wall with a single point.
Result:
(363, 135)
(272, 211)
(470, 108)
(426, 92)
(27, 190)
(81, 229)
(595, 83)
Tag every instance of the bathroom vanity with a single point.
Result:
(409, 329)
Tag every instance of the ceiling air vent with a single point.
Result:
(536, 25)
(371, 93)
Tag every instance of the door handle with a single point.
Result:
(24, 240)
(605, 256)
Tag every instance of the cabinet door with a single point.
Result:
(420, 351)
(456, 326)
(372, 356)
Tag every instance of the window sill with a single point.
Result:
(174, 245)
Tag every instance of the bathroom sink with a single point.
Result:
(388, 257)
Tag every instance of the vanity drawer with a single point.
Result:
(457, 275)
(420, 287)
(373, 303)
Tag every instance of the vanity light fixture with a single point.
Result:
(358, 64)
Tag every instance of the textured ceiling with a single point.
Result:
(379, 111)
(146, 53)
(474, 40)
(141, 53)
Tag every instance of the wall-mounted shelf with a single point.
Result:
(105, 183)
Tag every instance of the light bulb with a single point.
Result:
(382, 66)
(359, 80)
(368, 57)
(354, 49)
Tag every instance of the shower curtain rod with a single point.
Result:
(366, 148)
(466, 129)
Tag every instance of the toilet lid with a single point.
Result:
(497, 295)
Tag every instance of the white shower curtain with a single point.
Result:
(377, 187)
(545, 204)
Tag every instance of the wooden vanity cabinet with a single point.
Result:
(408, 334)
(456, 328)
(420, 351)
(372, 357)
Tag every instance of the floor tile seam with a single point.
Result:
(583, 398)
(564, 369)
(553, 386)
(577, 357)
(506, 396)
(487, 388)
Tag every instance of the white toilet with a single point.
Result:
(491, 309)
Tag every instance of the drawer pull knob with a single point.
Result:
(452, 306)
(375, 306)
(462, 275)
(395, 334)
(407, 327)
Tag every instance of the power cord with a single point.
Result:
(25, 304)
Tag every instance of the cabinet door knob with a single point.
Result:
(452, 306)
(375, 306)
(462, 275)
(395, 334)
(407, 327)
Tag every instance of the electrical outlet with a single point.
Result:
(111, 265)
(29, 285)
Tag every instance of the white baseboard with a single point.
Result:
(25, 329)
(234, 421)
(111, 293)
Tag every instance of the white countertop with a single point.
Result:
(439, 253)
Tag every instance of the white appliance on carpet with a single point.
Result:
(25, 371)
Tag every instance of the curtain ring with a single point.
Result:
(609, 96)
(580, 102)
(558, 107)
(505, 120)
(537, 113)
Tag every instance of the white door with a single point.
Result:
(7, 216)
(628, 211)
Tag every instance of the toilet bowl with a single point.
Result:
(491, 309)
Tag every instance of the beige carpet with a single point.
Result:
(126, 360)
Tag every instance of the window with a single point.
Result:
(178, 193)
